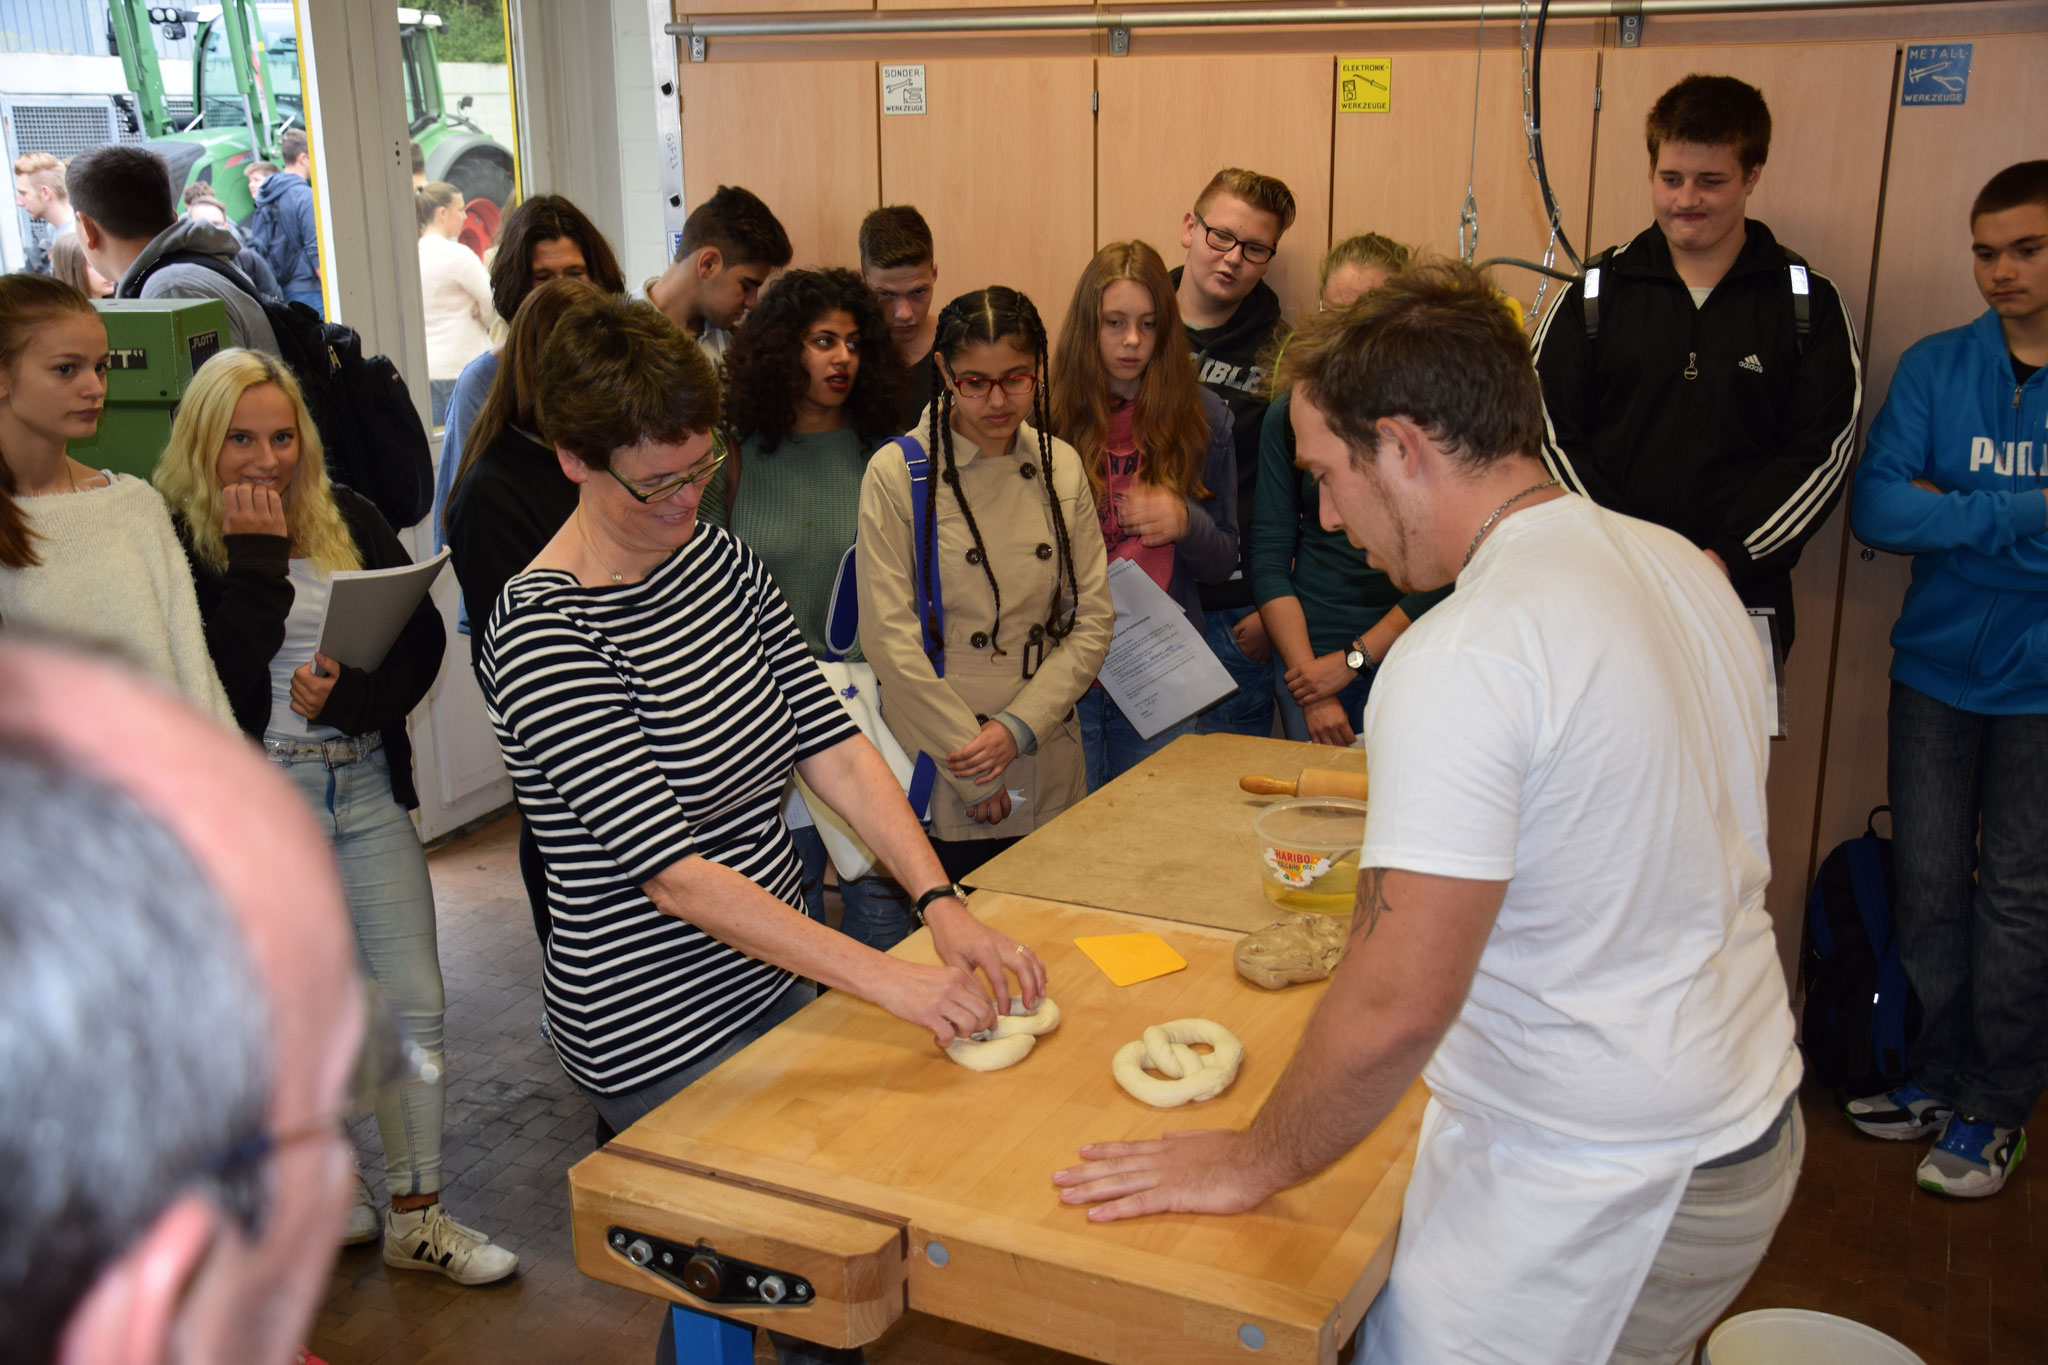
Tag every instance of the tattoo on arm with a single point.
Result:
(1372, 903)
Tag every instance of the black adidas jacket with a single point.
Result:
(1227, 364)
(1709, 420)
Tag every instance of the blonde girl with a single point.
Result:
(1156, 448)
(266, 531)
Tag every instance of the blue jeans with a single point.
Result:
(1249, 711)
(1110, 743)
(1294, 722)
(439, 391)
(384, 873)
(627, 1107)
(1976, 950)
(875, 910)
(308, 295)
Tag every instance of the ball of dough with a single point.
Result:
(1010, 1040)
(1297, 948)
(1189, 1075)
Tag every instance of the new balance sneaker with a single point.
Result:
(1898, 1115)
(363, 1222)
(428, 1239)
(1972, 1159)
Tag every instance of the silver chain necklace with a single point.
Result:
(1487, 525)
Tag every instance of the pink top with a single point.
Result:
(1120, 471)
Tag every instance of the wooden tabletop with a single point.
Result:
(844, 1141)
(1171, 838)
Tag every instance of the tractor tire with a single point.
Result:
(483, 173)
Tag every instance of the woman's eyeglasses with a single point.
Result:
(669, 488)
(1257, 253)
(978, 385)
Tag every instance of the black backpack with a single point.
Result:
(374, 440)
(1861, 1015)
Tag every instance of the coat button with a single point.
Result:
(1037, 633)
(979, 640)
(1028, 469)
(974, 555)
(1044, 551)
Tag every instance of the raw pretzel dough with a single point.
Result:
(1015, 1034)
(1189, 1075)
(1297, 948)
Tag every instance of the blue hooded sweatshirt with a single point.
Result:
(282, 229)
(1974, 629)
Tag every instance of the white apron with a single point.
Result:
(1521, 1246)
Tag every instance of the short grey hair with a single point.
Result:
(134, 1052)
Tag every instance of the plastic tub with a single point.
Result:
(1308, 853)
(1798, 1336)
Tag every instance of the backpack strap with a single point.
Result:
(1802, 300)
(931, 612)
(198, 258)
(1589, 292)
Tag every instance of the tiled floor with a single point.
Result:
(1962, 1284)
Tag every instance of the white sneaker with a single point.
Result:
(428, 1239)
(363, 1222)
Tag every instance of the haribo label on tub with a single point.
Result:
(1296, 868)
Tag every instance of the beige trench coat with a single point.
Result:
(938, 715)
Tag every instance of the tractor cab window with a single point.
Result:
(220, 94)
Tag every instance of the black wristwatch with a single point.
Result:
(938, 893)
(1357, 660)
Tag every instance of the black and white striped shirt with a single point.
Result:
(643, 723)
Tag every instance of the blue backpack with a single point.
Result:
(1861, 1015)
(842, 618)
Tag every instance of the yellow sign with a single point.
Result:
(1365, 85)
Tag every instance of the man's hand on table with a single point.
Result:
(1213, 1170)
(965, 942)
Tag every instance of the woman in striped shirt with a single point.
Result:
(651, 692)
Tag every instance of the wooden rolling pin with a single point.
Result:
(1312, 782)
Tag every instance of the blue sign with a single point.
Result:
(1937, 74)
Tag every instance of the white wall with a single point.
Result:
(54, 73)
(490, 84)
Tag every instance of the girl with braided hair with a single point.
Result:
(1156, 447)
(1008, 547)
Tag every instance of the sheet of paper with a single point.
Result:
(1765, 620)
(1160, 670)
(367, 608)
(1127, 959)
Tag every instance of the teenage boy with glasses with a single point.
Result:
(1231, 316)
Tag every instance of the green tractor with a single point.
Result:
(246, 95)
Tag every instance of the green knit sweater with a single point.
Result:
(798, 508)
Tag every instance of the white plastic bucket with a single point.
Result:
(1796, 1336)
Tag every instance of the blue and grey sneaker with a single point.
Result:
(1972, 1159)
(1899, 1115)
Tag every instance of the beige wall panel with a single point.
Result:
(1169, 123)
(1819, 194)
(1404, 172)
(1941, 157)
(1003, 168)
(799, 134)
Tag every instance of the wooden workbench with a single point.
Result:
(844, 1148)
(1171, 838)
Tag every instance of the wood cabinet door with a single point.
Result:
(799, 134)
(1819, 195)
(1002, 165)
(1170, 123)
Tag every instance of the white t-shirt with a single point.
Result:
(301, 638)
(1584, 718)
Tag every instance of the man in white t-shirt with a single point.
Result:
(1560, 923)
